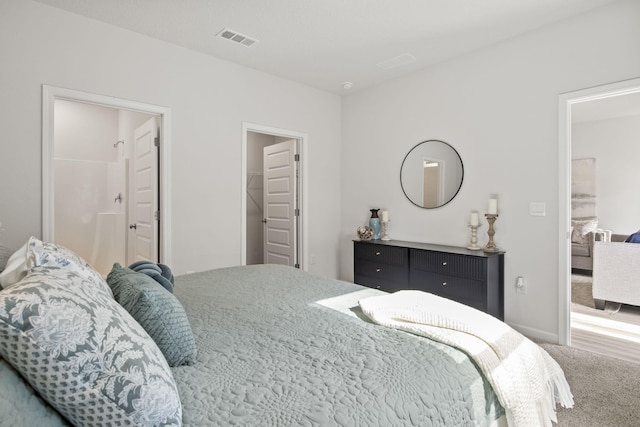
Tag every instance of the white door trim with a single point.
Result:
(564, 191)
(49, 95)
(303, 138)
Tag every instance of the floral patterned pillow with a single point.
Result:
(84, 353)
(54, 255)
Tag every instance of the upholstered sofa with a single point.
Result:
(616, 272)
(582, 253)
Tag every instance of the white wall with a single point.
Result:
(499, 108)
(615, 144)
(209, 100)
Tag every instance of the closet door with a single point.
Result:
(280, 221)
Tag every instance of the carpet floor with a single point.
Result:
(605, 389)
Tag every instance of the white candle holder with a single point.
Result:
(385, 231)
(473, 244)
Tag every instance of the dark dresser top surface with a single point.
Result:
(430, 247)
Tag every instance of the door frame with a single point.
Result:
(52, 93)
(566, 101)
(303, 140)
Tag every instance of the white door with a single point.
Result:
(144, 224)
(280, 194)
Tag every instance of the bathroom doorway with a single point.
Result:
(103, 184)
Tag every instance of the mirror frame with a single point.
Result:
(461, 176)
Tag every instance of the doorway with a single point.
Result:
(91, 146)
(594, 108)
(274, 196)
(432, 185)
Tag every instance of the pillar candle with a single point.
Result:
(385, 216)
(493, 207)
(473, 220)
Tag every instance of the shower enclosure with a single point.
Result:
(91, 170)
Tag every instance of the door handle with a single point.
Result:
(264, 221)
(133, 226)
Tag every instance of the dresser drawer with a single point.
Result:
(380, 270)
(449, 264)
(381, 254)
(379, 283)
(467, 291)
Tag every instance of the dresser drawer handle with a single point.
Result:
(378, 287)
(444, 283)
(377, 253)
(378, 270)
(444, 263)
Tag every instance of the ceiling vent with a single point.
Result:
(398, 61)
(236, 37)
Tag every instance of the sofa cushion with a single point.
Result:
(633, 238)
(581, 227)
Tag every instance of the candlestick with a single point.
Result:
(385, 229)
(473, 245)
(385, 216)
(491, 246)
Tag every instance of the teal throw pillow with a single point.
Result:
(158, 312)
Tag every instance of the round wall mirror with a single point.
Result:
(431, 174)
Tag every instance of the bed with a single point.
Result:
(275, 347)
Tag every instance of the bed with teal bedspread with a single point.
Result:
(270, 355)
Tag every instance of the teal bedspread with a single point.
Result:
(269, 355)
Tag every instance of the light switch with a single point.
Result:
(537, 209)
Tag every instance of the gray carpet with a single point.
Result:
(581, 291)
(606, 391)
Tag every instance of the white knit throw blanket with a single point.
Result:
(527, 381)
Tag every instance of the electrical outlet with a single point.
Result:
(314, 259)
(521, 286)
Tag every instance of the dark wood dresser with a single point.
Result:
(474, 278)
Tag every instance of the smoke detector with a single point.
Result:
(236, 37)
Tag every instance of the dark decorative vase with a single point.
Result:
(374, 222)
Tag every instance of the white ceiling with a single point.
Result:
(323, 43)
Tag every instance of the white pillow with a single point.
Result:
(18, 264)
